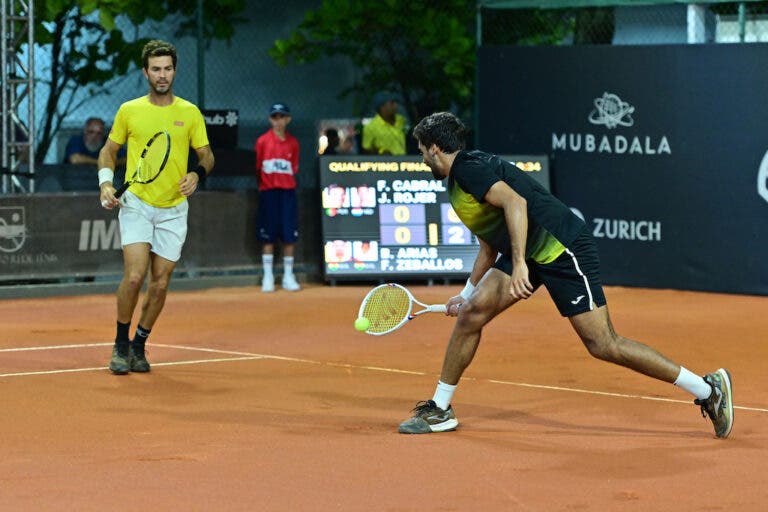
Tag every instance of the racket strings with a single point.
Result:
(151, 161)
(387, 308)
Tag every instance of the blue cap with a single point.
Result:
(279, 108)
(382, 97)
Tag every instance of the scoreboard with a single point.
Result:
(387, 217)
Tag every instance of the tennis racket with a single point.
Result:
(389, 306)
(152, 161)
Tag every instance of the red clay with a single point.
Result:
(313, 425)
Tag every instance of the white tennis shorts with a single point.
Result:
(164, 229)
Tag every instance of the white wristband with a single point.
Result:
(467, 291)
(105, 175)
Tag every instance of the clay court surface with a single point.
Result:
(265, 402)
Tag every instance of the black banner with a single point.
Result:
(54, 236)
(222, 127)
(659, 148)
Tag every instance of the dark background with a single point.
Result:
(707, 100)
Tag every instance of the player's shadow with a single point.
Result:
(478, 414)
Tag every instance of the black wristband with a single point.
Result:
(201, 174)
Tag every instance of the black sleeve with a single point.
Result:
(474, 176)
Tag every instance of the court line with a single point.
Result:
(607, 393)
(233, 352)
(54, 347)
(104, 368)
(249, 356)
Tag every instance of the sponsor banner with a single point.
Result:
(663, 158)
(222, 126)
(53, 236)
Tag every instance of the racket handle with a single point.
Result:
(436, 308)
(122, 189)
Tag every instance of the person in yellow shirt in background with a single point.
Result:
(385, 133)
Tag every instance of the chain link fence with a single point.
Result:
(552, 22)
(237, 75)
(241, 75)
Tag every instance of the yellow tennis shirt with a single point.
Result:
(137, 121)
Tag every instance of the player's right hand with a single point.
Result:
(107, 197)
(453, 306)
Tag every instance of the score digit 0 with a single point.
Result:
(401, 214)
(402, 235)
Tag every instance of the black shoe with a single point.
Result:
(119, 362)
(138, 359)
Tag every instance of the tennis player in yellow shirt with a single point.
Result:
(153, 216)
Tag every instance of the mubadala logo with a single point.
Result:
(13, 230)
(611, 111)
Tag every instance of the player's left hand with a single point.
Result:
(188, 184)
(520, 286)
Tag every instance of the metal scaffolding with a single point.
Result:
(16, 76)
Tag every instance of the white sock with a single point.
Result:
(266, 261)
(288, 265)
(443, 394)
(693, 384)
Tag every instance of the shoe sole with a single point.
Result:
(119, 367)
(426, 428)
(726, 378)
(119, 371)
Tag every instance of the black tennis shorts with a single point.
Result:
(572, 280)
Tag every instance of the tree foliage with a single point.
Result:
(92, 42)
(421, 49)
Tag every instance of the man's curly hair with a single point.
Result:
(158, 48)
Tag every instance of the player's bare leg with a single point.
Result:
(135, 264)
(160, 273)
(157, 289)
(596, 332)
(713, 392)
(489, 298)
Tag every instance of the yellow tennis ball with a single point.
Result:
(362, 324)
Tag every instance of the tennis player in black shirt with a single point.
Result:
(529, 238)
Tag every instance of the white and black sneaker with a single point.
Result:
(427, 418)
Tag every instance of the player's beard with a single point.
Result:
(166, 88)
(433, 167)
